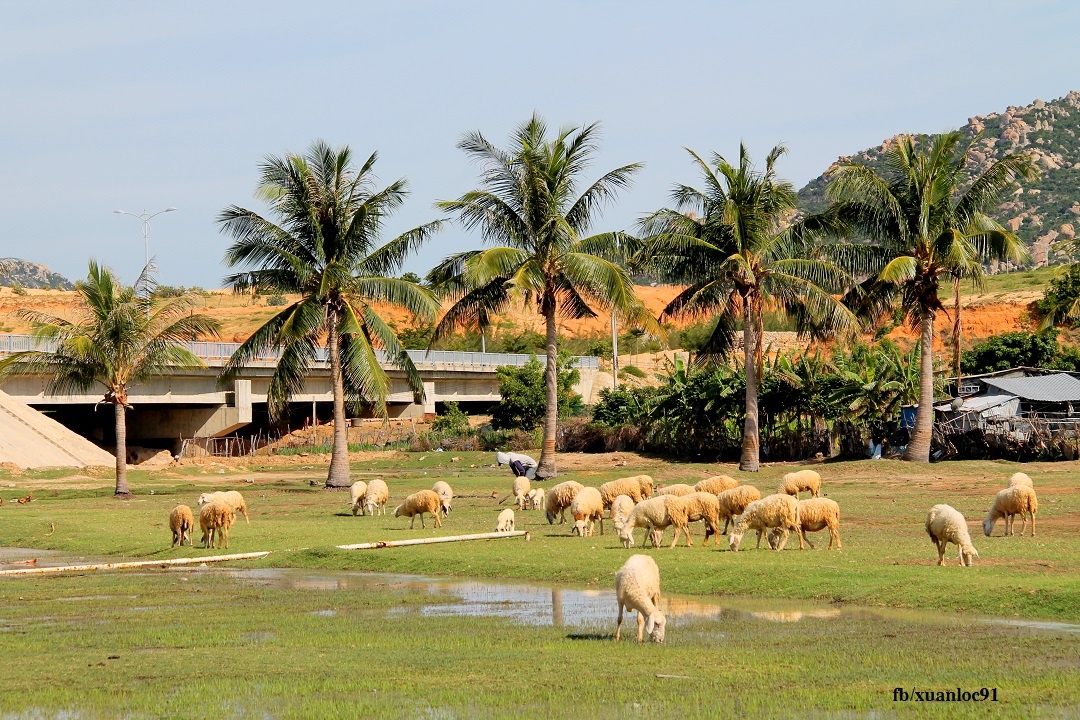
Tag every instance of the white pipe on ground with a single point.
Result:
(133, 564)
(446, 539)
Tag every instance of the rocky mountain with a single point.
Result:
(1041, 212)
(14, 271)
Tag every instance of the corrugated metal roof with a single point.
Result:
(977, 404)
(1059, 387)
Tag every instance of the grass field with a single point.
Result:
(202, 642)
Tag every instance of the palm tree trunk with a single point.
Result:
(121, 449)
(957, 334)
(338, 476)
(751, 441)
(546, 468)
(918, 449)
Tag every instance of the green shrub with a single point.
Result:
(17, 288)
(524, 395)
(276, 300)
(453, 420)
(632, 370)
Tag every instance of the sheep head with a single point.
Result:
(397, 510)
(654, 625)
(988, 525)
(579, 528)
(968, 555)
(626, 534)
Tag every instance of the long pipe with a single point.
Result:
(132, 564)
(446, 539)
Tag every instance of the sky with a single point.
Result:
(142, 106)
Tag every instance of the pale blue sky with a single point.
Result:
(137, 105)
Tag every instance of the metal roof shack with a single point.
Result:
(1056, 388)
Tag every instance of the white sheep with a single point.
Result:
(795, 482)
(678, 490)
(376, 497)
(356, 496)
(637, 487)
(535, 499)
(446, 495)
(1020, 479)
(704, 506)
(733, 502)
(637, 587)
(655, 515)
(232, 498)
(519, 491)
(716, 484)
(587, 507)
(814, 514)
(424, 501)
(1016, 500)
(505, 521)
(778, 510)
(558, 498)
(944, 525)
(181, 522)
(621, 507)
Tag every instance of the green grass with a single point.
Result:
(1022, 280)
(203, 643)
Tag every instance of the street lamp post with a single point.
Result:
(145, 217)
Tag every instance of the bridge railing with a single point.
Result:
(220, 352)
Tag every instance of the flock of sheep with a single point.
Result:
(629, 503)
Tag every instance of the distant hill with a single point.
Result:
(31, 275)
(1041, 212)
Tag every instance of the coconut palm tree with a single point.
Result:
(925, 217)
(124, 337)
(739, 250)
(323, 245)
(529, 209)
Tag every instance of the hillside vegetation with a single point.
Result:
(23, 273)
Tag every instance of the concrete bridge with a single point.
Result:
(190, 403)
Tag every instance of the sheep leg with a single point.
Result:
(618, 626)
(941, 553)
(1032, 523)
(834, 532)
(422, 525)
(759, 539)
(246, 518)
(601, 523)
(640, 627)
(802, 534)
(438, 522)
(225, 532)
(783, 539)
(412, 522)
(798, 531)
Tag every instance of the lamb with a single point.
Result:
(356, 493)
(181, 522)
(230, 497)
(376, 496)
(1011, 501)
(796, 482)
(558, 498)
(944, 525)
(505, 522)
(215, 519)
(446, 495)
(519, 490)
(424, 501)
(656, 514)
(587, 507)
(1020, 479)
(637, 488)
(637, 587)
(716, 484)
(704, 506)
(678, 490)
(535, 499)
(621, 507)
(814, 514)
(779, 510)
(734, 501)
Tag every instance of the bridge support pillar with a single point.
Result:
(429, 401)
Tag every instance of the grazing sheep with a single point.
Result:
(733, 502)
(424, 501)
(587, 507)
(637, 487)
(376, 496)
(637, 587)
(535, 499)
(814, 514)
(621, 507)
(678, 490)
(1020, 479)
(558, 498)
(519, 491)
(181, 522)
(506, 521)
(796, 482)
(944, 525)
(704, 506)
(1010, 502)
(356, 493)
(231, 498)
(716, 484)
(215, 519)
(779, 511)
(656, 514)
(446, 495)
